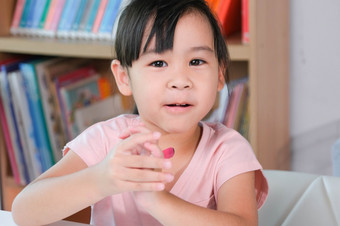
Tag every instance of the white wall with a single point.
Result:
(314, 83)
(315, 64)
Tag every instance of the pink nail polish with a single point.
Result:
(168, 153)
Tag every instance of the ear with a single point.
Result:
(221, 80)
(121, 76)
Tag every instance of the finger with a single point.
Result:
(143, 162)
(144, 175)
(133, 130)
(133, 186)
(137, 140)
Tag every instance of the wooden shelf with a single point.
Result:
(87, 49)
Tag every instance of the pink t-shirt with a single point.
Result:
(222, 153)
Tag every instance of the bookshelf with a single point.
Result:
(265, 59)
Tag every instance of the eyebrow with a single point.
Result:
(192, 49)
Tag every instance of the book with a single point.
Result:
(86, 33)
(218, 114)
(24, 16)
(110, 15)
(51, 26)
(16, 153)
(67, 18)
(56, 138)
(19, 8)
(50, 96)
(37, 15)
(245, 21)
(39, 30)
(29, 18)
(79, 33)
(26, 126)
(229, 14)
(236, 105)
(76, 95)
(99, 111)
(33, 97)
(79, 15)
(99, 17)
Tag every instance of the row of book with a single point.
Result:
(232, 107)
(45, 102)
(96, 19)
(84, 19)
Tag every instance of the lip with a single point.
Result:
(178, 107)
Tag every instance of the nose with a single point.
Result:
(180, 81)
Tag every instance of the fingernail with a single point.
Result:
(168, 153)
(156, 135)
(169, 177)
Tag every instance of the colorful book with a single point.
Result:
(19, 9)
(77, 95)
(49, 17)
(98, 111)
(52, 26)
(218, 114)
(17, 157)
(68, 16)
(81, 29)
(29, 18)
(23, 19)
(111, 12)
(86, 33)
(56, 138)
(50, 96)
(229, 14)
(36, 112)
(37, 15)
(99, 16)
(26, 126)
(64, 80)
(79, 15)
(39, 31)
(245, 21)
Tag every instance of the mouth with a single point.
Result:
(179, 105)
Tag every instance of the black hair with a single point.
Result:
(165, 15)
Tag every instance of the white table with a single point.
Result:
(7, 220)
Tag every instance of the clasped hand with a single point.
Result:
(136, 164)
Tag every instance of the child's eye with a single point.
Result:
(158, 63)
(196, 62)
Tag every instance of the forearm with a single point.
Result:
(171, 210)
(58, 197)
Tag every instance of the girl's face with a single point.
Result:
(175, 89)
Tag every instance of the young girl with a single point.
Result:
(172, 58)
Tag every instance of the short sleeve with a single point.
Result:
(237, 157)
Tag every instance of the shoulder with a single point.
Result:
(223, 137)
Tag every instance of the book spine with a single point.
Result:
(31, 13)
(70, 19)
(56, 18)
(36, 112)
(19, 9)
(99, 17)
(91, 19)
(49, 18)
(24, 17)
(43, 18)
(105, 30)
(80, 33)
(8, 129)
(32, 159)
(245, 21)
(77, 19)
(37, 15)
